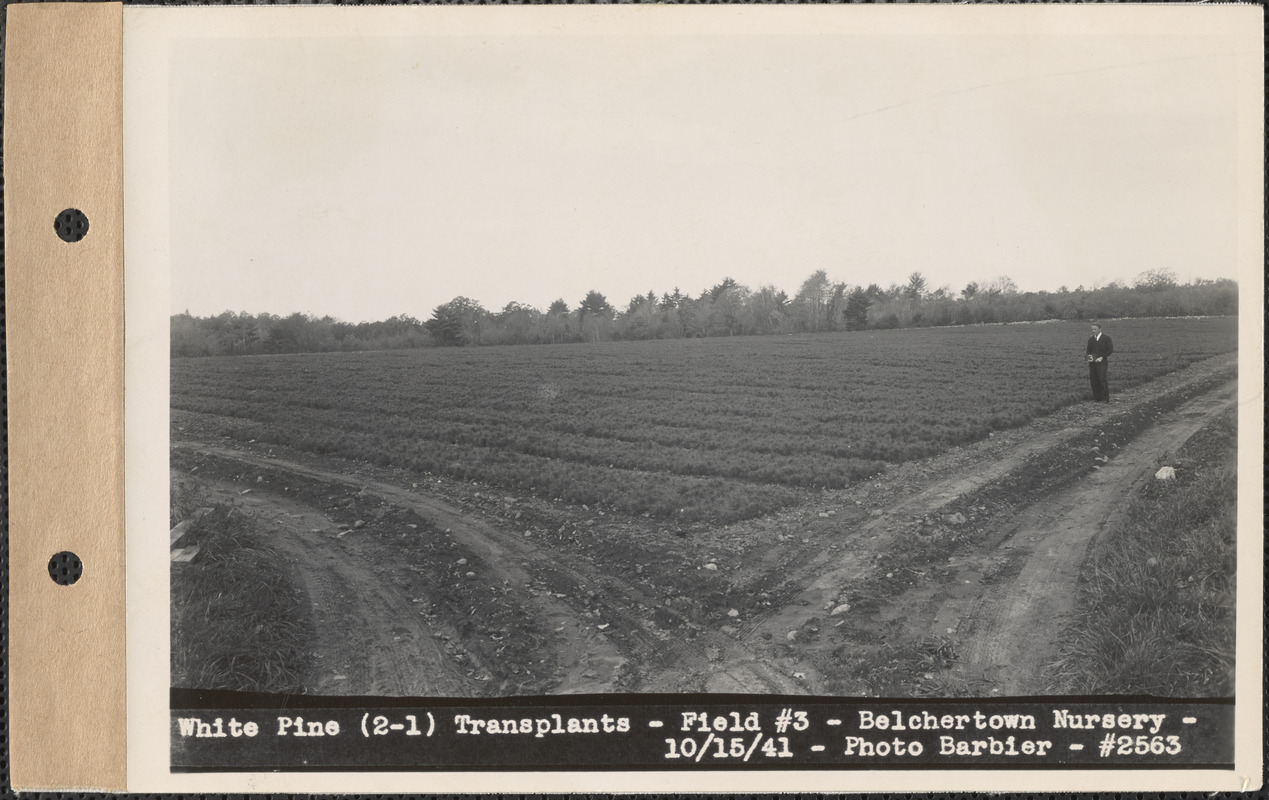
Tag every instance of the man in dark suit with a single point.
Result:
(1098, 351)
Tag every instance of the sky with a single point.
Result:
(364, 177)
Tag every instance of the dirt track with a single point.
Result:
(1009, 630)
(958, 569)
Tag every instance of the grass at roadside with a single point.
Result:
(1156, 608)
(238, 621)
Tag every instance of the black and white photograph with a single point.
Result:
(506, 357)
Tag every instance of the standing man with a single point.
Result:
(1098, 351)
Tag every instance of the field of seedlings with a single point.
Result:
(690, 430)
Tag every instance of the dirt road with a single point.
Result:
(1009, 630)
(950, 573)
(989, 617)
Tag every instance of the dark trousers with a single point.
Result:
(1097, 377)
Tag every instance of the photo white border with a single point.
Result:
(149, 35)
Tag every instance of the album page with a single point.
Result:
(660, 398)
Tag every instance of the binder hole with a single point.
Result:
(65, 568)
(71, 225)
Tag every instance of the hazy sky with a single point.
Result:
(364, 177)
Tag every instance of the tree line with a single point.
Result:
(725, 309)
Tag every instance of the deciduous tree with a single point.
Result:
(457, 322)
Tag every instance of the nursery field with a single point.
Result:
(891, 514)
(691, 430)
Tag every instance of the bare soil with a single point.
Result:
(949, 576)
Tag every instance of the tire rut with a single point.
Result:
(597, 662)
(1010, 632)
(833, 569)
(368, 639)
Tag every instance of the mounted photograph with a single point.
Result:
(626, 365)
(797, 356)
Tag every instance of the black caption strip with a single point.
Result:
(227, 731)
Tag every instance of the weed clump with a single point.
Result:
(238, 620)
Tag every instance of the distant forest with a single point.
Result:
(726, 309)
